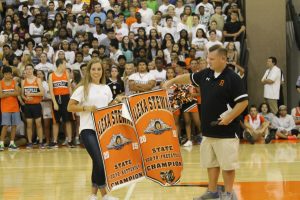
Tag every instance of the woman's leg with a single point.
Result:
(47, 129)
(89, 140)
(39, 129)
(187, 121)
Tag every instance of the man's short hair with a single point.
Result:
(274, 60)
(212, 31)
(142, 61)
(221, 50)
(121, 57)
(114, 43)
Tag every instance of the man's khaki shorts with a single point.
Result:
(219, 152)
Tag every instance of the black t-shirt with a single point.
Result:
(232, 27)
(116, 87)
(216, 95)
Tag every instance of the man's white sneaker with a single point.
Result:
(106, 197)
(188, 143)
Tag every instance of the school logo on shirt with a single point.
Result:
(221, 83)
(118, 141)
(157, 127)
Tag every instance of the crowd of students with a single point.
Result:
(45, 47)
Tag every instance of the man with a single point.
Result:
(136, 25)
(285, 125)
(97, 13)
(271, 81)
(146, 13)
(296, 115)
(141, 81)
(213, 40)
(208, 8)
(60, 90)
(183, 23)
(223, 98)
(159, 73)
(255, 126)
(115, 52)
(45, 66)
(233, 30)
(169, 28)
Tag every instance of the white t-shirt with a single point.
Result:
(200, 43)
(164, 8)
(141, 78)
(146, 15)
(178, 11)
(211, 43)
(99, 96)
(159, 76)
(271, 91)
(47, 67)
(77, 8)
(208, 8)
(135, 26)
(33, 30)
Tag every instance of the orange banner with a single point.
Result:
(157, 135)
(119, 147)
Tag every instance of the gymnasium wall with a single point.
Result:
(266, 36)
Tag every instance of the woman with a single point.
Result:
(32, 93)
(25, 60)
(115, 82)
(127, 49)
(92, 94)
(46, 106)
(152, 50)
(199, 43)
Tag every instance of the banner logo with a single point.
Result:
(117, 142)
(157, 127)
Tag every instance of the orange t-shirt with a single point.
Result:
(9, 104)
(32, 88)
(60, 84)
(130, 20)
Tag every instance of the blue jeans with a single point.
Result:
(90, 141)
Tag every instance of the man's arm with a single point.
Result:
(146, 87)
(182, 79)
(234, 113)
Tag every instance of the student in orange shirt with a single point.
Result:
(9, 91)
(130, 20)
(32, 93)
(60, 90)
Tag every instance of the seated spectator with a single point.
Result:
(213, 26)
(212, 41)
(298, 84)
(233, 30)
(142, 80)
(256, 127)
(218, 18)
(296, 115)
(285, 124)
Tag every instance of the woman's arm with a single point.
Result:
(74, 106)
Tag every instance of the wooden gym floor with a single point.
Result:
(266, 172)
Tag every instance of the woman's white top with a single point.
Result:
(99, 96)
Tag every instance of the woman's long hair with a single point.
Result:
(87, 79)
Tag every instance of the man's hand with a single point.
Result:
(224, 121)
(166, 85)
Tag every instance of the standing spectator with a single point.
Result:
(10, 111)
(164, 7)
(271, 81)
(129, 69)
(212, 41)
(24, 16)
(60, 90)
(45, 66)
(285, 125)
(32, 93)
(159, 73)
